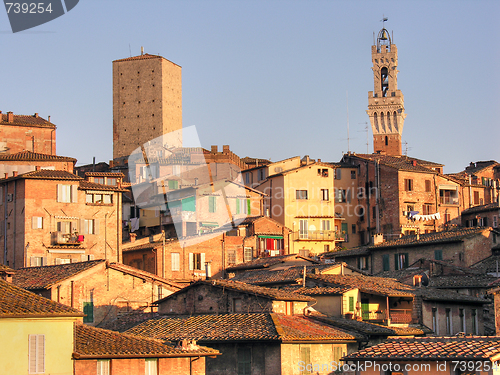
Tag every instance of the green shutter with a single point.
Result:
(212, 204)
(248, 207)
(406, 260)
(438, 254)
(173, 184)
(237, 206)
(88, 309)
(386, 262)
(344, 228)
(351, 303)
(189, 204)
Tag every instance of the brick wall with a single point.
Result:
(28, 138)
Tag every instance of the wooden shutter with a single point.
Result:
(249, 207)
(96, 226)
(36, 353)
(351, 303)
(202, 261)
(191, 261)
(74, 193)
(59, 192)
(237, 206)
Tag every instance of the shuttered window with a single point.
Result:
(103, 367)
(36, 354)
(151, 366)
(212, 204)
(88, 310)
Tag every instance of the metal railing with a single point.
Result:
(318, 235)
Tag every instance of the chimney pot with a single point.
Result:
(225, 149)
(37, 168)
(48, 119)
(10, 117)
(14, 174)
(132, 237)
(6, 175)
(36, 114)
(214, 149)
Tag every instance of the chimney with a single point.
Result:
(14, 173)
(414, 163)
(378, 238)
(132, 237)
(36, 114)
(10, 117)
(225, 149)
(6, 175)
(213, 149)
(142, 50)
(48, 119)
(319, 160)
(37, 168)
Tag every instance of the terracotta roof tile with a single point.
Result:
(366, 284)
(104, 174)
(265, 262)
(435, 348)
(97, 342)
(45, 276)
(146, 56)
(26, 120)
(46, 174)
(402, 162)
(86, 185)
(30, 156)
(435, 294)
(241, 327)
(483, 208)
(271, 293)
(17, 302)
(355, 325)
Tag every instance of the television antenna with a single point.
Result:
(366, 131)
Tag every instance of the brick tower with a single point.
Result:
(147, 103)
(386, 102)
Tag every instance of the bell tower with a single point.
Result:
(386, 103)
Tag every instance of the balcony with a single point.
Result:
(397, 316)
(317, 235)
(449, 200)
(60, 238)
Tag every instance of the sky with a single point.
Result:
(272, 79)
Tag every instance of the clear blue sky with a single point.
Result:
(269, 78)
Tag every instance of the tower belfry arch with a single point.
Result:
(386, 102)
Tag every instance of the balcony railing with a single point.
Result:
(448, 200)
(318, 235)
(397, 316)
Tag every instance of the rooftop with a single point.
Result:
(91, 342)
(435, 348)
(241, 327)
(17, 302)
(25, 120)
(46, 174)
(404, 163)
(34, 156)
(267, 262)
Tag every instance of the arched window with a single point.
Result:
(382, 121)
(384, 79)
(395, 121)
(389, 120)
(375, 120)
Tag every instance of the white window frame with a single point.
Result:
(151, 366)
(36, 354)
(103, 367)
(303, 228)
(325, 194)
(176, 261)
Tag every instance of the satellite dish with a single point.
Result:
(425, 280)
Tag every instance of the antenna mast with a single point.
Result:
(347, 100)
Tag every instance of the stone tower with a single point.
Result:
(386, 102)
(147, 103)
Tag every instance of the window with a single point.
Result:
(103, 366)
(408, 184)
(374, 212)
(231, 257)
(90, 226)
(173, 184)
(248, 254)
(325, 224)
(325, 195)
(261, 174)
(495, 221)
(176, 261)
(386, 262)
(401, 261)
(351, 303)
(363, 263)
(37, 222)
(438, 254)
(338, 174)
(326, 248)
(111, 181)
(99, 180)
(151, 366)
(36, 355)
(435, 326)
(212, 204)
(243, 206)
(247, 178)
(340, 196)
(244, 361)
(474, 321)
(427, 186)
(353, 228)
(462, 319)
(67, 193)
(448, 322)
(301, 194)
(427, 209)
(303, 229)
(196, 261)
(38, 261)
(476, 197)
(98, 198)
(237, 305)
(88, 310)
(353, 175)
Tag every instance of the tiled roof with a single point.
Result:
(435, 348)
(318, 291)
(47, 174)
(285, 275)
(483, 208)
(7, 269)
(91, 342)
(241, 327)
(435, 294)
(105, 174)
(463, 281)
(366, 284)
(346, 253)
(146, 56)
(143, 274)
(480, 165)
(490, 265)
(29, 156)
(17, 302)
(86, 185)
(266, 262)
(26, 120)
(355, 325)
(237, 286)
(456, 235)
(402, 162)
(45, 276)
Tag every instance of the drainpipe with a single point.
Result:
(5, 225)
(14, 236)
(105, 237)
